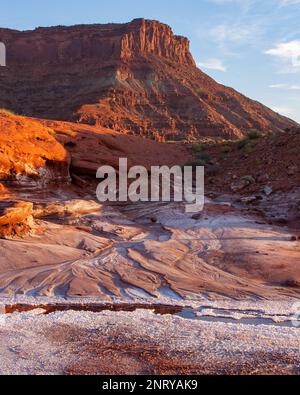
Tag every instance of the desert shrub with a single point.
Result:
(248, 145)
(248, 149)
(225, 149)
(73, 162)
(204, 158)
(254, 135)
(198, 147)
(250, 179)
(294, 151)
(242, 144)
(195, 163)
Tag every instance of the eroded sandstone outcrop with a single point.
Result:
(29, 153)
(15, 219)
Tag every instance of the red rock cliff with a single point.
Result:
(136, 77)
(102, 42)
(152, 37)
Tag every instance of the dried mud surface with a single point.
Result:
(142, 343)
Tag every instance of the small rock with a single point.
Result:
(293, 238)
(292, 170)
(263, 178)
(250, 179)
(87, 245)
(197, 216)
(268, 190)
(239, 185)
(212, 195)
(249, 199)
(213, 170)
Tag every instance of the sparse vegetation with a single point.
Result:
(195, 163)
(249, 143)
(73, 162)
(226, 149)
(198, 147)
(242, 144)
(250, 147)
(204, 158)
(254, 135)
(249, 179)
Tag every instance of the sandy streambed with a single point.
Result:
(142, 342)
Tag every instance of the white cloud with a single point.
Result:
(278, 86)
(289, 2)
(285, 86)
(213, 64)
(283, 110)
(234, 33)
(244, 4)
(289, 53)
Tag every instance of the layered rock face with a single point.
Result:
(29, 153)
(137, 77)
(15, 219)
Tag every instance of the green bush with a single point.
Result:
(73, 162)
(204, 158)
(198, 147)
(195, 163)
(248, 144)
(250, 179)
(225, 149)
(254, 135)
(242, 144)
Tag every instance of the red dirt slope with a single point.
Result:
(42, 150)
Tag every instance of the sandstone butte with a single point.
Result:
(136, 78)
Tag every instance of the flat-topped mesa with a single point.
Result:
(147, 37)
(101, 43)
(137, 78)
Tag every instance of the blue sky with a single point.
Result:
(251, 45)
